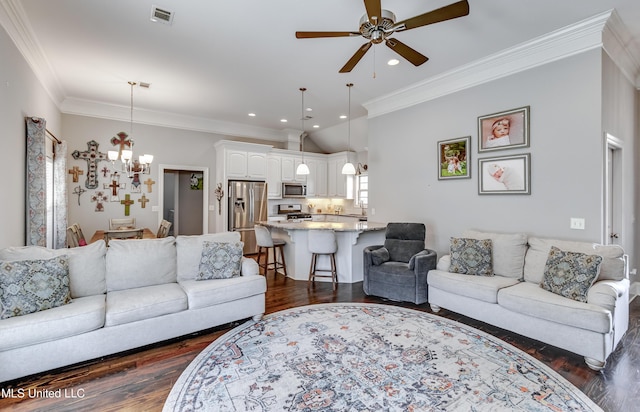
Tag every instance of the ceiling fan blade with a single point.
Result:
(449, 12)
(355, 58)
(374, 10)
(316, 34)
(407, 52)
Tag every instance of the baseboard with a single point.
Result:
(634, 290)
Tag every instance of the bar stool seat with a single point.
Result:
(322, 242)
(265, 241)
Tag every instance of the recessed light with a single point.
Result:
(343, 116)
(283, 120)
(315, 126)
(252, 115)
(393, 62)
(309, 109)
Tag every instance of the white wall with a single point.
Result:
(566, 157)
(21, 95)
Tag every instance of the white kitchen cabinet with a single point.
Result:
(241, 164)
(338, 185)
(317, 178)
(274, 176)
(289, 166)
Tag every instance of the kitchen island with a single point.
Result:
(352, 238)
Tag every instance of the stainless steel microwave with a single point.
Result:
(294, 189)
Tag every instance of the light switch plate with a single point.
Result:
(577, 223)
(155, 208)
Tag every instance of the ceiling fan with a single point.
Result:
(377, 24)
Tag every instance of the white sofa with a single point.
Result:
(131, 294)
(512, 299)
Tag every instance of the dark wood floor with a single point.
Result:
(141, 380)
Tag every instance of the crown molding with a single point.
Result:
(171, 120)
(13, 19)
(618, 44)
(568, 41)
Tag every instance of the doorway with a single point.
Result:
(183, 198)
(612, 191)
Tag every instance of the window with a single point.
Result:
(362, 190)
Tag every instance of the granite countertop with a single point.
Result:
(337, 226)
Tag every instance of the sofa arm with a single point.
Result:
(444, 263)
(608, 294)
(249, 267)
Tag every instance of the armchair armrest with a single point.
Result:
(368, 259)
(424, 261)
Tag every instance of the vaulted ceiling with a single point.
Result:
(219, 60)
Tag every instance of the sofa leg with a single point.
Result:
(594, 364)
(435, 308)
(258, 317)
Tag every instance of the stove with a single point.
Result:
(298, 217)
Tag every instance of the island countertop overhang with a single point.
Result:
(336, 226)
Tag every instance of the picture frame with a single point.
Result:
(196, 181)
(504, 130)
(505, 175)
(454, 158)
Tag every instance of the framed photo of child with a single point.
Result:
(504, 130)
(505, 175)
(454, 158)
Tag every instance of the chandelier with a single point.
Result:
(130, 165)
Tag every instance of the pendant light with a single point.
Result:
(302, 169)
(348, 168)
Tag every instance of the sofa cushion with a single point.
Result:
(509, 250)
(570, 274)
(80, 316)
(86, 265)
(612, 267)
(204, 293)
(379, 256)
(220, 260)
(531, 300)
(131, 305)
(189, 251)
(28, 286)
(484, 288)
(471, 256)
(135, 263)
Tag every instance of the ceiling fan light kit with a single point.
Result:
(377, 25)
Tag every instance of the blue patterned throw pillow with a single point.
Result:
(28, 286)
(220, 260)
(471, 256)
(570, 274)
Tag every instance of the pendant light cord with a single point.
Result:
(131, 114)
(302, 90)
(349, 85)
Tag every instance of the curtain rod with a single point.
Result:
(54, 138)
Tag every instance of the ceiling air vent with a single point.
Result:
(159, 15)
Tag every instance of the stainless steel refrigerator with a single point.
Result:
(247, 205)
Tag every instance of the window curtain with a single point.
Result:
(60, 195)
(36, 190)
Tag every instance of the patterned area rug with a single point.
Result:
(367, 357)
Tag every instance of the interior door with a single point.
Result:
(613, 191)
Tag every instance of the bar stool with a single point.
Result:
(322, 242)
(264, 240)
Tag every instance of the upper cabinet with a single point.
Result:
(242, 160)
(339, 185)
(274, 176)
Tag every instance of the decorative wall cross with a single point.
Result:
(76, 171)
(149, 184)
(127, 202)
(115, 186)
(105, 170)
(92, 156)
(78, 190)
(144, 201)
(122, 140)
(99, 197)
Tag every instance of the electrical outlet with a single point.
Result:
(577, 223)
